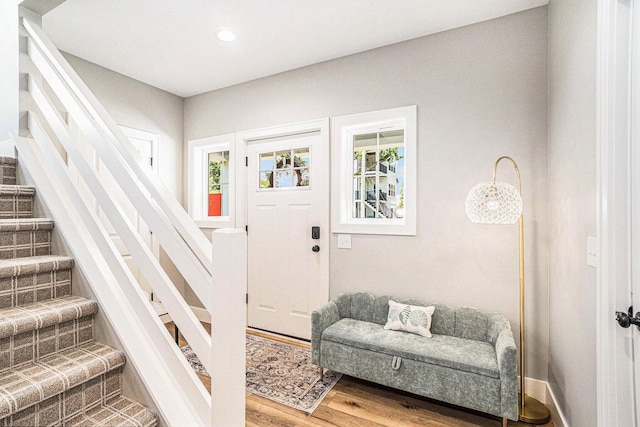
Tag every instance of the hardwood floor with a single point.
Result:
(357, 403)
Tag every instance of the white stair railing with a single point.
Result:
(178, 393)
(182, 255)
(181, 313)
(174, 229)
(53, 84)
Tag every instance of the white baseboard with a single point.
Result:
(541, 391)
(557, 416)
(536, 389)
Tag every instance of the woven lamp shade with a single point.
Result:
(494, 203)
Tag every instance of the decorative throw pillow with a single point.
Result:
(410, 318)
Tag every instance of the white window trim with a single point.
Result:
(198, 173)
(343, 128)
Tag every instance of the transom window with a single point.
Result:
(284, 169)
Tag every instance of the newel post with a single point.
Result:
(228, 327)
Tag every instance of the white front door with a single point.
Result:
(288, 228)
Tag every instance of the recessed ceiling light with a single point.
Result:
(226, 36)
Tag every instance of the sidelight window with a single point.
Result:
(374, 172)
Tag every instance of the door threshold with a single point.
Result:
(287, 339)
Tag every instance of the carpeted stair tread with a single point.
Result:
(8, 160)
(34, 265)
(17, 320)
(25, 224)
(117, 412)
(34, 382)
(17, 190)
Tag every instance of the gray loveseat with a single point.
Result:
(470, 361)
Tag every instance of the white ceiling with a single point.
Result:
(171, 44)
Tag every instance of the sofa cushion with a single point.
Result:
(362, 306)
(451, 352)
(471, 323)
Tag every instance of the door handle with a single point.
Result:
(315, 248)
(627, 319)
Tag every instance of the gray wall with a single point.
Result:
(572, 207)
(9, 84)
(481, 93)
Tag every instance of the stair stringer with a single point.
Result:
(177, 393)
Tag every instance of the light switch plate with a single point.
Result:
(344, 241)
(592, 251)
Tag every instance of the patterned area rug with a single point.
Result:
(280, 372)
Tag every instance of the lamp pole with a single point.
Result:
(531, 411)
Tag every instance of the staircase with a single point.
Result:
(52, 372)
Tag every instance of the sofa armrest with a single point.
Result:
(508, 366)
(321, 319)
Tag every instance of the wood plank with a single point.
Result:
(385, 412)
(263, 414)
(342, 419)
(320, 415)
(390, 397)
(286, 409)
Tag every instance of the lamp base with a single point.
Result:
(533, 412)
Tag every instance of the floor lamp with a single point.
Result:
(501, 203)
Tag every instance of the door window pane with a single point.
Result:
(267, 165)
(266, 161)
(283, 159)
(283, 178)
(285, 169)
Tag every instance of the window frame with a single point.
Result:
(344, 129)
(198, 180)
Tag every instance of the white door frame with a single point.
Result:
(150, 136)
(155, 162)
(615, 374)
(243, 139)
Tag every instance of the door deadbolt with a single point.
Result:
(627, 319)
(315, 248)
(315, 232)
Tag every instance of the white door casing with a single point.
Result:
(146, 143)
(634, 212)
(618, 167)
(287, 280)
